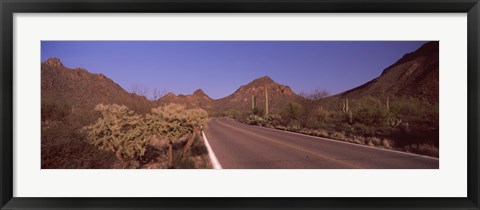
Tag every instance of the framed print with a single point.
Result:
(239, 105)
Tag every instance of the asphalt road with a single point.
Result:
(243, 146)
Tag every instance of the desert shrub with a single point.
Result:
(255, 120)
(197, 156)
(425, 149)
(273, 120)
(373, 141)
(322, 133)
(232, 114)
(364, 130)
(359, 139)
(388, 143)
(119, 130)
(198, 147)
(292, 113)
(257, 111)
(322, 115)
(370, 112)
(294, 125)
(242, 117)
(416, 112)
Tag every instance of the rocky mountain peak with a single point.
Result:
(199, 92)
(265, 80)
(170, 94)
(53, 62)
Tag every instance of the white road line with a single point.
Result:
(211, 154)
(343, 142)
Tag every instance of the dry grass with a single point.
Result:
(424, 149)
(387, 143)
(373, 141)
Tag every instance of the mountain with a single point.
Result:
(81, 90)
(416, 75)
(196, 99)
(241, 100)
(278, 96)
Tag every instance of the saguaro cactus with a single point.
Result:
(266, 101)
(345, 106)
(253, 103)
(388, 103)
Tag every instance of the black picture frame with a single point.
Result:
(9, 7)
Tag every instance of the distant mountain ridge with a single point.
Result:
(416, 74)
(197, 99)
(241, 99)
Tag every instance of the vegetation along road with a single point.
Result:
(243, 146)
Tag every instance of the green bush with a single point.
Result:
(416, 112)
(370, 112)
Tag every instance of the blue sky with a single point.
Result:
(220, 67)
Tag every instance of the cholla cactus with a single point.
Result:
(118, 130)
(173, 121)
(127, 134)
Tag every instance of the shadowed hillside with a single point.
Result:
(414, 75)
(80, 89)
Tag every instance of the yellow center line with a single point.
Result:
(289, 145)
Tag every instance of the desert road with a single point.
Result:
(243, 146)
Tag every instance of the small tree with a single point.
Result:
(140, 90)
(119, 130)
(310, 106)
(315, 95)
(157, 94)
